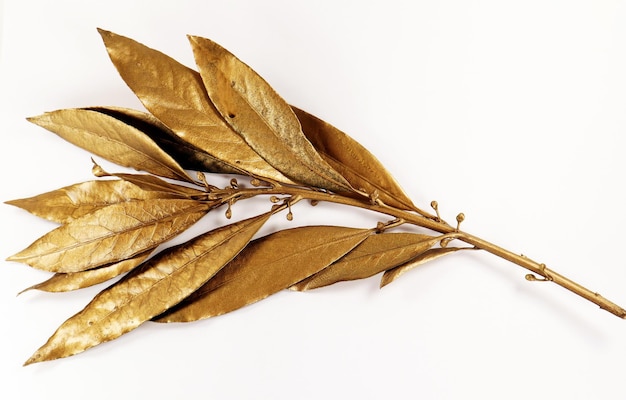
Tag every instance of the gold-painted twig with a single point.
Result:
(443, 227)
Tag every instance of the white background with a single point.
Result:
(512, 112)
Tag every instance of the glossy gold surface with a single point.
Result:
(266, 122)
(376, 254)
(111, 139)
(266, 266)
(176, 96)
(224, 119)
(111, 234)
(148, 291)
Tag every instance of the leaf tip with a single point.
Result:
(299, 287)
(33, 120)
(35, 358)
(25, 290)
(42, 120)
(384, 281)
(104, 33)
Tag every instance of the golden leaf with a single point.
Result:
(71, 202)
(111, 139)
(429, 255)
(149, 290)
(64, 282)
(261, 117)
(153, 184)
(111, 234)
(376, 254)
(266, 266)
(176, 96)
(186, 154)
(353, 161)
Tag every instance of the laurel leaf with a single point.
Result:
(186, 154)
(153, 184)
(353, 161)
(71, 202)
(376, 254)
(149, 290)
(429, 255)
(65, 282)
(111, 139)
(266, 266)
(266, 122)
(111, 234)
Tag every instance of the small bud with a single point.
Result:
(434, 205)
(459, 218)
(289, 216)
(255, 182)
(229, 212)
(314, 202)
(380, 226)
(233, 183)
(274, 199)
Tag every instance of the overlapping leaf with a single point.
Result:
(186, 154)
(376, 254)
(111, 139)
(267, 123)
(149, 290)
(176, 96)
(266, 266)
(71, 202)
(111, 234)
(64, 282)
(353, 161)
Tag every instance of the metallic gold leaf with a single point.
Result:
(429, 255)
(353, 161)
(376, 254)
(71, 202)
(153, 184)
(149, 290)
(266, 122)
(111, 234)
(111, 139)
(266, 266)
(176, 96)
(64, 282)
(186, 154)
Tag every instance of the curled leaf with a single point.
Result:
(111, 234)
(149, 290)
(429, 255)
(71, 202)
(65, 282)
(353, 161)
(376, 254)
(266, 266)
(266, 122)
(111, 139)
(176, 96)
